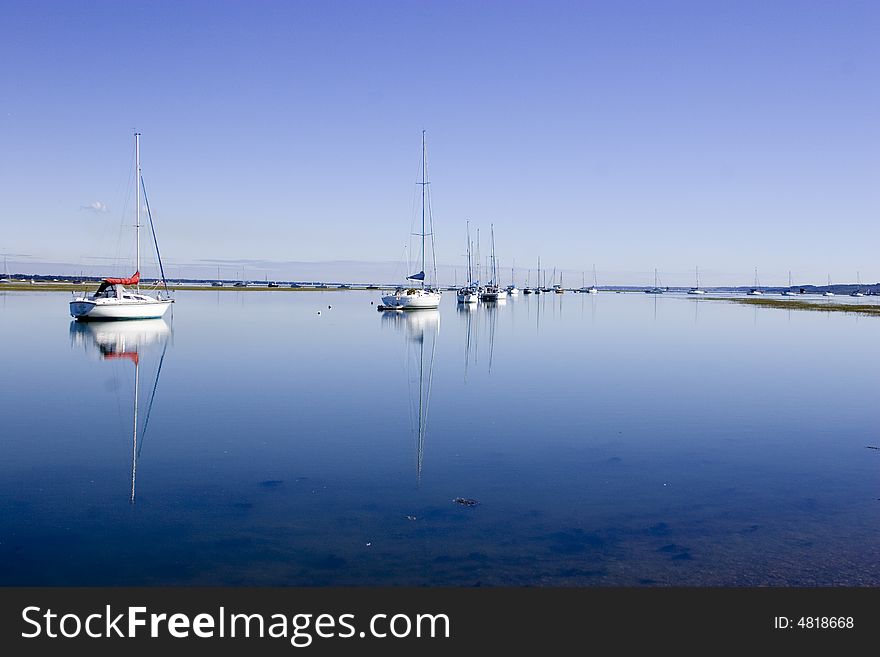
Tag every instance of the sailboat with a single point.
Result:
(5, 278)
(492, 291)
(423, 296)
(756, 291)
(697, 289)
(468, 293)
(858, 291)
(656, 289)
(112, 299)
(127, 341)
(538, 289)
(593, 289)
(558, 287)
(512, 289)
(527, 289)
(789, 292)
(828, 292)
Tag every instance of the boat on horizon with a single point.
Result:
(697, 289)
(656, 289)
(756, 290)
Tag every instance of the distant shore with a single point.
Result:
(797, 304)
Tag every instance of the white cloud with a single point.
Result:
(95, 206)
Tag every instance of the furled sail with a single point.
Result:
(131, 280)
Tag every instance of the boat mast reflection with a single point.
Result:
(127, 341)
(421, 328)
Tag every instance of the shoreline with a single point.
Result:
(831, 307)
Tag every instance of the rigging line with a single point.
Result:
(152, 397)
(153, 231)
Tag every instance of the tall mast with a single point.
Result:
(494, 262)
(137, 205)
(470, 276)
(424, 188)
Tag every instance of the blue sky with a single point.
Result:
(632, 135)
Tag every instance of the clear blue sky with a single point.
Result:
(632, 135)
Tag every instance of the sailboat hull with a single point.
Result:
(86, 309)
(413, 299)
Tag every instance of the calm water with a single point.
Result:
(616, 439)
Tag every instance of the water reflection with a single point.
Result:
(421, 328)
(128, 341)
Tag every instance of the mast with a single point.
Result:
(494, 262)
(137, 205)
(424, 192)
(470, 277)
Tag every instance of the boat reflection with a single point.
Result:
(421, 329)
(130, 341)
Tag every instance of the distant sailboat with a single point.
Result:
(558, 287)
(789, 292)
(527, 289)
(858, 291)
(468, 293)
(538, 285)
(697, 289)
(756, 291)
(423, 296)
(113, 300)
(828, 292)
(512, 289)
(493, 291)
(592, 289)
(656, 289)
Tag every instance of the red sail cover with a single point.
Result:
(132, 280)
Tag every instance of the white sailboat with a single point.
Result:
(468, 293)
(527, 289)
(112, 299)
(858, 291)
(538, 289)
(493, 291)
(593, 289)
(697, 289)
(423, 296)
(789, 292)
(828, 292)
(512, 289)
(756, 291)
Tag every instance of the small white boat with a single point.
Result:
(697, 289)
(467, 295)
(756, 291)
(828, 292)
(113, 300)
(858, 291)
(789, 292)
